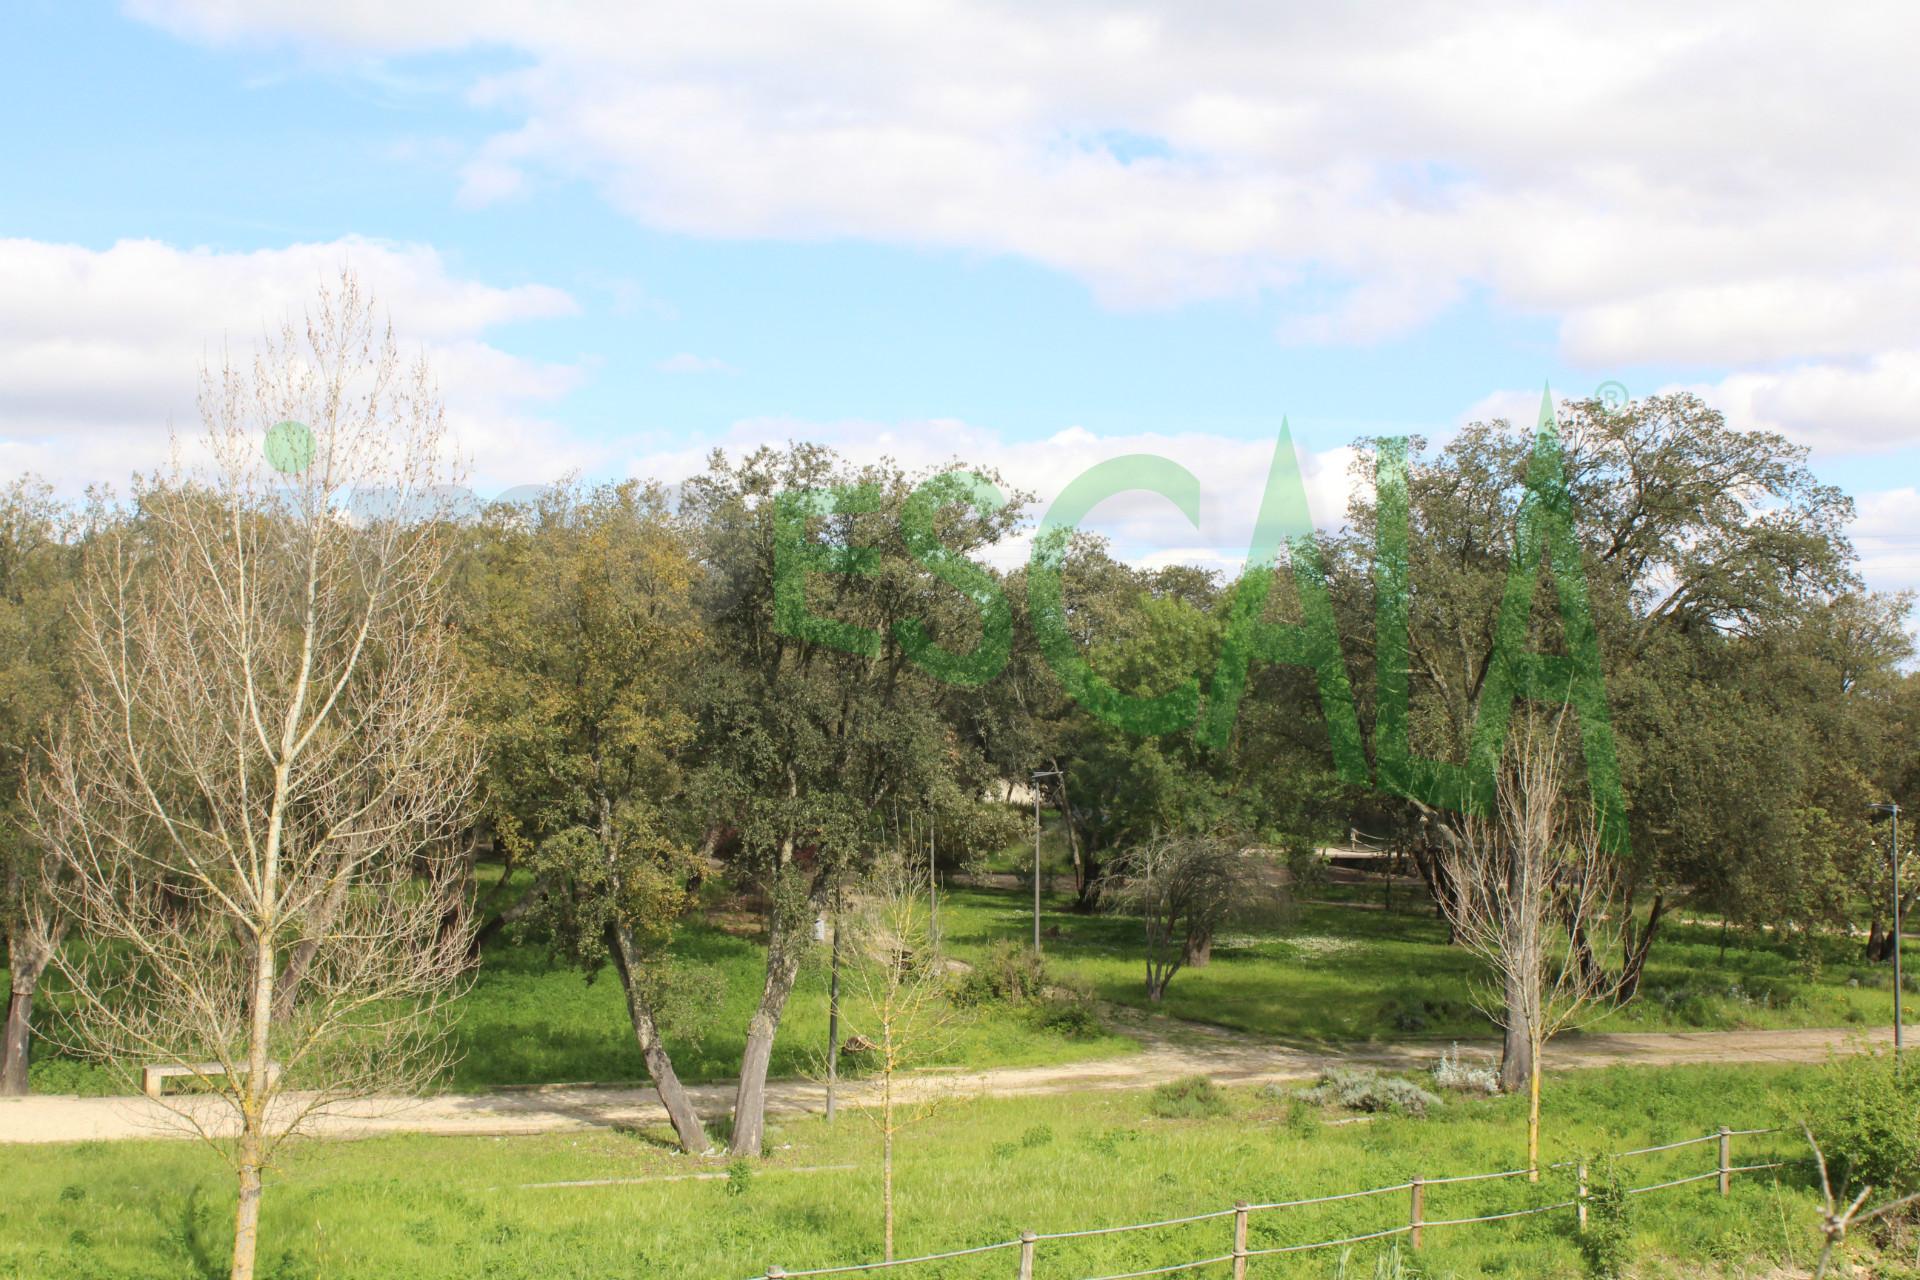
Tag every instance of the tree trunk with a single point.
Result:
(255, 1097)
(833, 1013)
(886, 1160)
(19, 1032)
(287, 987)
(1516, 1050)
(246, 1216)
(1533, 1114)
(750, 1102)
(653, 1050)
(1641, 947)
(1875, 942)
(1199, 950)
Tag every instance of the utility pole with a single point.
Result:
(1893, 860)
(933, 883)
(1048, 773)
(833, 1009)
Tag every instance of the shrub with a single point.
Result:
(1606, 1243)
(1008, 974)
(1866, 1117)
(1194, 1098)
(1364, 1089)
(1067, 1010)
(1453, 1072)
(739, 1177)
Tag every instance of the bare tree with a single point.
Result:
(1531, 890)
(1184, 888)
(898, 988)
(262, 758)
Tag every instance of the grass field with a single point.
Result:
(1348, 972)
(1336, 971)
(974, 1172)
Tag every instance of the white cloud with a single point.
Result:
(1887, 533)
(1146, 528)
(100, 349)
(1858, 407)
(1725, 184)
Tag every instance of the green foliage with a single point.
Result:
(1866, 1118)
(1192, 1098)
(1011, 975)
(1607, 1244)
(1008, 973)
(740, 1177)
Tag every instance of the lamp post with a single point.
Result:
(1893, 859)
(1045, 773)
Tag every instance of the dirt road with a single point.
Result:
(1224, 1056)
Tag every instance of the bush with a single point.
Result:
(1009, 974)
(1606, 1243)
(1364, 1089)
(1866, 1117)
(1067, 1009)
(1453, 1072)
(1194, 1098)
(739, 1176)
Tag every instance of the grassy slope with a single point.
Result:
(975, 1172)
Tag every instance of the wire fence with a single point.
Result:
(1415, 1189)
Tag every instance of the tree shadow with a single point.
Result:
(196, 1237)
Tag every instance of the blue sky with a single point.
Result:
(624, 239)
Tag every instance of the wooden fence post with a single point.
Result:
(1026, 1255)
(1726, 1159)
(1418, 1207)
(1580, 1196)
(1239, 1240)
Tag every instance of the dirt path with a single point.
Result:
(1226, 1057)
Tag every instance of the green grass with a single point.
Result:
(974, 1172)
(1338, 973)
(527, 1021)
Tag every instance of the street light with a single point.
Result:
(1045, 773)
(1893, 859)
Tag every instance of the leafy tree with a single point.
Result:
(818, 715)
(1183, 887)
(583, 639)
(1693, 537)
(37, 567)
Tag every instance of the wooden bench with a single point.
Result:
(153, 1079)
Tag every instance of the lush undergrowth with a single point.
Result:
(974, 1172)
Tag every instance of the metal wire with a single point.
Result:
(1677, 1182)
(1671, 1146)
(1499, 1217)
(904, 1262)
(1137, 1226)
(1161, 1271)
(1345, 1195)
(1329, 1244)
(1471, 1177)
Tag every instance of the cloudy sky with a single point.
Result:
(1035, 235)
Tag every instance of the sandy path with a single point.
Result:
(1224, 1056)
